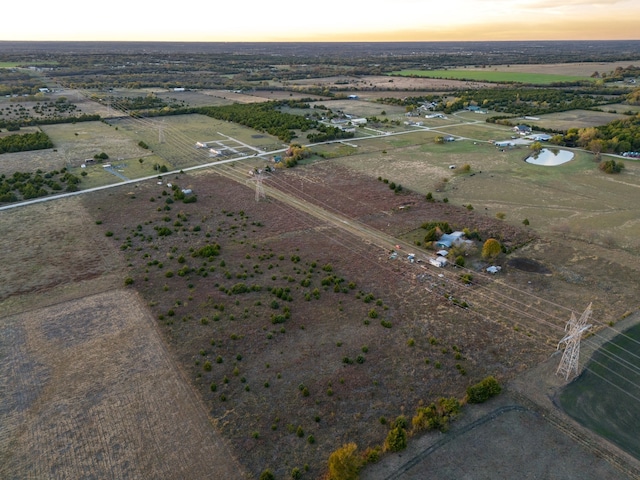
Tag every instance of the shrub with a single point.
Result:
(344, 463)
(611, 166)
(267, 475)
(128, 281)
(483, 390)
(396, 440)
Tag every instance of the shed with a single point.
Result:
(438, 261)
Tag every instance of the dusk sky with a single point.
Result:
(328, 20)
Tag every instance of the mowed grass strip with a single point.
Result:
(492, 76)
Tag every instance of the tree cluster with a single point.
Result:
(25, 142)
(264, 117)
(27, 185)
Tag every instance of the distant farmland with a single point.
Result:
(492, 76)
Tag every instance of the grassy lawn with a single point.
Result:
(493, 76)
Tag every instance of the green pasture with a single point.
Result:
(605, 397)
(493, 76)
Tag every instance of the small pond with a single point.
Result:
(550, 157)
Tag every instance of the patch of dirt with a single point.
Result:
(528, 265)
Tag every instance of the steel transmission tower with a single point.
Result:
(575, 328)
(258, 177)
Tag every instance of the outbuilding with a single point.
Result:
(438, 261)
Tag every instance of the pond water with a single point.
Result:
(550, 157)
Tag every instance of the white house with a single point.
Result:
(522, 129)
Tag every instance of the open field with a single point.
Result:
(377, 86)
(489, 75)
(621, 107)
(90, 390)
(574, 119)
(580, 69)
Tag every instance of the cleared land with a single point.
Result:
(575, 119)
(90, 390)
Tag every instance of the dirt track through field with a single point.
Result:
(89, 391)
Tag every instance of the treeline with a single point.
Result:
(617, 137)
(520, 101)
(31, 122)
(25, 142)
(264, 117)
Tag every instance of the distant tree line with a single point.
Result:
(27, 122)
(516, 101)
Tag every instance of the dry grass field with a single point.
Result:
(89, 387)
(575, 119)
(299, 333)
(91, 391)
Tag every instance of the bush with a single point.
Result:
(267, 475)
(128, 281)
(611, 166)
(484, 390)
(344, 463)
(396, 440)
